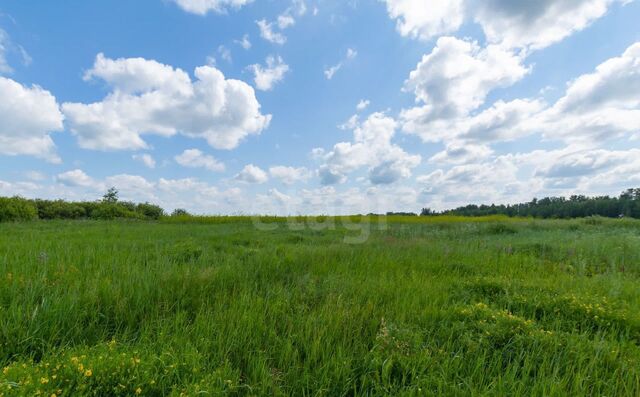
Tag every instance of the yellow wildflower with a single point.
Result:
(138, 390)
(88, 373)
(44, 380)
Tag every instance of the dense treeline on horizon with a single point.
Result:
(14, 209)
(576, 206)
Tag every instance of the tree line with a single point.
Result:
(109, 207)
(576, 206)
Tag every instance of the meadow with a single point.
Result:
(378, 306)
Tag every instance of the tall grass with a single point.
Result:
(425, 306)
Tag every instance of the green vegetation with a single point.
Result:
(16, 209)
(222, 306)
(627, 205)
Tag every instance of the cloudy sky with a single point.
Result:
(319, 106)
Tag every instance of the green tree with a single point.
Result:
(111, 196)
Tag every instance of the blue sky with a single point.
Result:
(319, 106)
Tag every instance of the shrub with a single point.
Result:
(59, 209)
(113, 211)
(180, 212)
(149, 211)
(17, 209)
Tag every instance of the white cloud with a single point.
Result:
(76, 177)
(194, 158)
(503, 121)
(331, 71)
(285, 21)
(595, 108)
(131, 187)
(267, 32)
(289, 175)
(537, 24)
(252, 174)
(244, 42)
(145, 159)
(371, 148)
(362, 105)
(510, 24)
(457, 75)
(202, 7)
(600, 105)
(424, 20)
(151, 98)
(461, 153)
(452, 81)
(27, 116)
(267, 77)
(518, 177)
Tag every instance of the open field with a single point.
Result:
(222, 306)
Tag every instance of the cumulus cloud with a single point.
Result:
(202, 7)
(371, 148)
(266, 77)
(510, 24)
(190, 193)
(537, 24)
(76, 178)
(148, 97)
(252, 174)
(194, 158)
(289, 175)
(198, 196)
(599, 105)
(596, 107)
(424, 20)
(145, 159)
(460, 152)
(27, 116)
(518, 177)
(453, 80)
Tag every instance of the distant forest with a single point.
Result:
(626, 205)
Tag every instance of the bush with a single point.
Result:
(59, 209)
(13, 209)
(107, 211)
(180, 212)
(150, 211)
(16, 209)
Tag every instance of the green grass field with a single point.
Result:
(216, 306)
